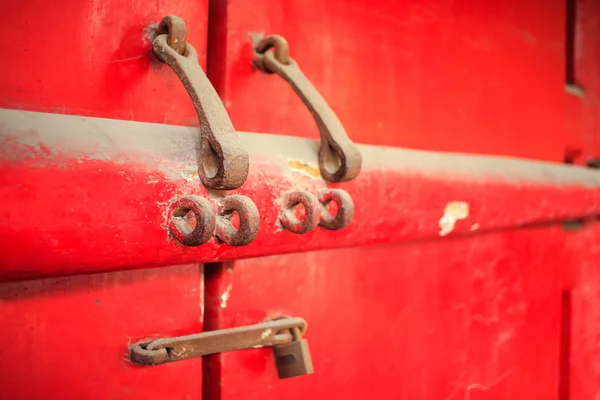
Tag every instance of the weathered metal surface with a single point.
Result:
(339, 158)
(483, 317)
(345, 209)
(270, 333)
(70, 335)
(400, 195)
(222, 162)
(174, 28)
(474, 317)
(204, 220)
(293, 359)
(315, 210)
(488, 316)
(110, 69)
(312, 212)
(249, 220)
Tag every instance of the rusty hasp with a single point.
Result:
(275, 332)
(203, 215)
(223, 163)
(312, 212)
(249, 218)
(339, 159)
(345, 210)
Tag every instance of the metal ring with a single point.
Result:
(203, 214)
(281, 52)
(174, 27)
(345, 208)
(249, 220)
(313, 210)
(140, 355)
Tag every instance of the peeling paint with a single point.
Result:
(190, 174)
(305, 168)
(454, 211)
(225, 296)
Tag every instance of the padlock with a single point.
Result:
(293, 358)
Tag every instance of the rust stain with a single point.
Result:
(306, 168)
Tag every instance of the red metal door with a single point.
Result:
(486, 317)
(69, 335)
(504, 308)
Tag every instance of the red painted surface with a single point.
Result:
(397, 198)
(67, 338)
(583, 117)
(465, 318)
(458, 75)
(505, 314)
(94, 58)
(512, 314)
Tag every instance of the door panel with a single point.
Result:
(474, 318)
(94, 58)
(457, 75)
(68, 337)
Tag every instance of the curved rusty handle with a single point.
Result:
(339, 158)
(223, 163)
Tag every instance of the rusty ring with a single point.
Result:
(281, 51)
(203, 213)
(249, 220)
(313, 211)
(345, 211)
(174, 28)
(140, 355)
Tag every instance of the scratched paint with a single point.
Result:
(225, 296)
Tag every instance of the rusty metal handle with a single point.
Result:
(269, 333)
(223, 163)
(339, 158)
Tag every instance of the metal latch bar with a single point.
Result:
(269, 333)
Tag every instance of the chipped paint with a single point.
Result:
(308, 169)
(474, 227)
(454, 211)
(225, 296)
(190, 174)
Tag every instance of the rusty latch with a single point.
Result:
(284, 335)
(339, 158)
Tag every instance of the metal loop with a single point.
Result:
(311, 218)
(223, 164)
(138, 354)
(339, 158)
(345, 208)
(204, 217)
(174, 28)
(280, 48)
(249, 220)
